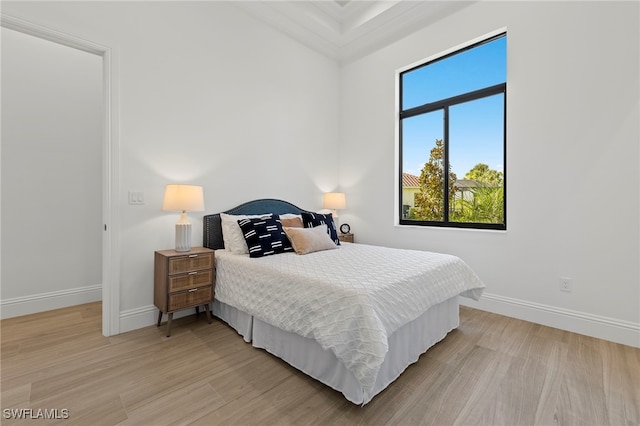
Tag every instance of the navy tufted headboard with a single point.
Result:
(212, 227)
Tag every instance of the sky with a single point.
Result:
(476, 128)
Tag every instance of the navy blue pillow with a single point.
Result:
(264, 236)
(311, 220)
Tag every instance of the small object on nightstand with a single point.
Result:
(183, 280)
(346, 238)
(345, 228)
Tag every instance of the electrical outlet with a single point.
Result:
(566, 285)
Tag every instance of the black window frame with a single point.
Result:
(445, 104)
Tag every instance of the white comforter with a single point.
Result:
(349, 300)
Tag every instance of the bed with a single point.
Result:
(353, 318)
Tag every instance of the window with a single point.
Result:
(453, 139)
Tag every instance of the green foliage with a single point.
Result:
(482, 173)
(481, 203)
(429, 201)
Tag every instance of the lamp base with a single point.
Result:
(183, 237)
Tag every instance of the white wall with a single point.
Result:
(572, 161)
(51, 175)
(206, 95)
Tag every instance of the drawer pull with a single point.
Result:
(191, 290)
(193, 273)
(193, 255)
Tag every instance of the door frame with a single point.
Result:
(110, 164)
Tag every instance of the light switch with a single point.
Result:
(136, 198)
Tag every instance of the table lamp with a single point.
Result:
(334, 201)
(183, 198)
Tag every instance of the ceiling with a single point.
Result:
(348, 29)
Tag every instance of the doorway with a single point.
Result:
(100, 221)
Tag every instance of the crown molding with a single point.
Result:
(346, 30)
(288, 20)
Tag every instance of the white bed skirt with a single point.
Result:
(405, 347)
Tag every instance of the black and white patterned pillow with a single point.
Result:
(311, 220)
(264, 236)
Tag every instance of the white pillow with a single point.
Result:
(290, 216)
(234, 241)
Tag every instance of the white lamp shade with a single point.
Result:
(334, 201)
(183, 198)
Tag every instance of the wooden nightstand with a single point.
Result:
(346, 238)
(183, 280)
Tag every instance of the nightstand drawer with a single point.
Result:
(190, 262)
(346, 238)
(190, 280)
(189, 298)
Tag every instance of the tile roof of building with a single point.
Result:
(411, 181)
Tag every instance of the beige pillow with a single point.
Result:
(309, 240)
(291, 222)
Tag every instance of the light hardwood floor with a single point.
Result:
(492, 370)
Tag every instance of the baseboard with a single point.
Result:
(614, 330)
(619, 331)
(145, 316)
(32, 304)
(134, 319)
